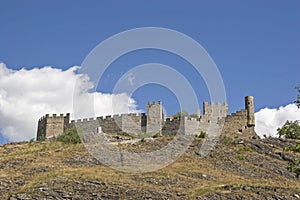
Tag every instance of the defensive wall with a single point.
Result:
(215, 118)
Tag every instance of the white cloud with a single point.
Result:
(267, 120)
(26, 95)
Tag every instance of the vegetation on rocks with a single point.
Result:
(201, 135)
(291, 130)
(241, 167)
(69, 137)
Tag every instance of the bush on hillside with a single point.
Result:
(69, 137)
(290, 130)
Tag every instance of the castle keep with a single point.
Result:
(52, 126)
(215, 118)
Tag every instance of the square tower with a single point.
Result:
(155, 118)
(52, 126)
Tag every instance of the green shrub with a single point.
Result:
(297, 148)
(201, 135)
(193, 116)
(181, 114)
(31, 141)
(69, 137)
(244, 149)
(295, 167)
(227, 140)
(290, 130)
(41, 138)
(240, 156)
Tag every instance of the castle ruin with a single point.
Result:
(215, 117)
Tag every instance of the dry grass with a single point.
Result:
(38, 163)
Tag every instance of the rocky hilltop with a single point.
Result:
(237, 168)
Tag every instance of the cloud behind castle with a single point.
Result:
(26, 95)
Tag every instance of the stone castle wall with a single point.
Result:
(236, 122)
(172, 126)
(130, 123)
(52, 126)
(241, 120)
(214, 115)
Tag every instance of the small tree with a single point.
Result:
(193, 115)
(290, 130)
(183, 113)
(298, 97)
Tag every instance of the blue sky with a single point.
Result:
(255, 44)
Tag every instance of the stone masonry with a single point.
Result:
(155, 118)
(52, 126)
(214, 118)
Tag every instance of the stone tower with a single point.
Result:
(215, 111)
(155, 118)
(249, 106)
(206, 108)
(52, 126)
(198, 113)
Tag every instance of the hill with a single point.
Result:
(237, 168)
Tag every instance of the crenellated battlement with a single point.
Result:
(154, 121)
(107, 117)
(50, 126)
(47, 116)
(153, 103)
(215, 108)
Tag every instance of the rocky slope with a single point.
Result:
(239, 167)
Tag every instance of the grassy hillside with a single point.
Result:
(237, 168)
